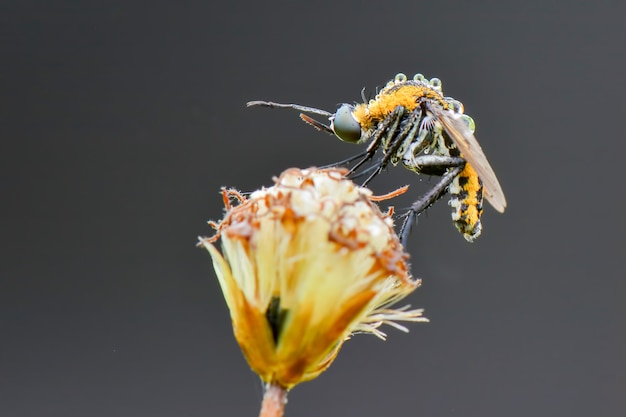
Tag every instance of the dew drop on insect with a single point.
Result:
(435, 83)
(400, 78)
(470, 122)
(455, 105)
(419, 77)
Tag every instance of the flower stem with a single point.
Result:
(274, 401)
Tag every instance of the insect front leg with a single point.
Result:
(345, 161)
(394, 143)
(389, 126)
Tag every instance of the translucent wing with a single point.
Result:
(473, 154)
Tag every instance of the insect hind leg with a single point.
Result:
(454, 165)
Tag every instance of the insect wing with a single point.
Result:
(473, 154)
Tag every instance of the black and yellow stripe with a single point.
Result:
(466, 197)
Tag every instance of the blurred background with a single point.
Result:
(121, 120)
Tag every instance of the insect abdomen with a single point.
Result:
(466, 197)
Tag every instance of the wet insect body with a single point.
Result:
(415, 125)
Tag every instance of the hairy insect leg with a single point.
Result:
(345, 161)
(409, 218)
(455, 166)
(392, 120)
(408, 133)
(363, 173)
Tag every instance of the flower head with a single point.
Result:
(305, 264)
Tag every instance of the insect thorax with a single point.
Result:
(411, 94)
(407, 94)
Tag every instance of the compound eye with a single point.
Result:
(345, 125)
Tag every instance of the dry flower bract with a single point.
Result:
(305, 264)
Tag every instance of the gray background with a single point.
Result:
(119, 123)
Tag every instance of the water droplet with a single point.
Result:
(400, 78)
(435, 83)
(454, 105)
(470, 122)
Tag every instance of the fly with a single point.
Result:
(416, 125)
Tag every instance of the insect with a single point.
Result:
(416, 125)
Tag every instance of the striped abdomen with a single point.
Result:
(466, 198)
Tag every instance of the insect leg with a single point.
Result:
(392, 119)
(345, 161)
(365, 172)
(392, 145)
(409, 218)
(456, 164)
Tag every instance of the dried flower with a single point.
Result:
(305, 264)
